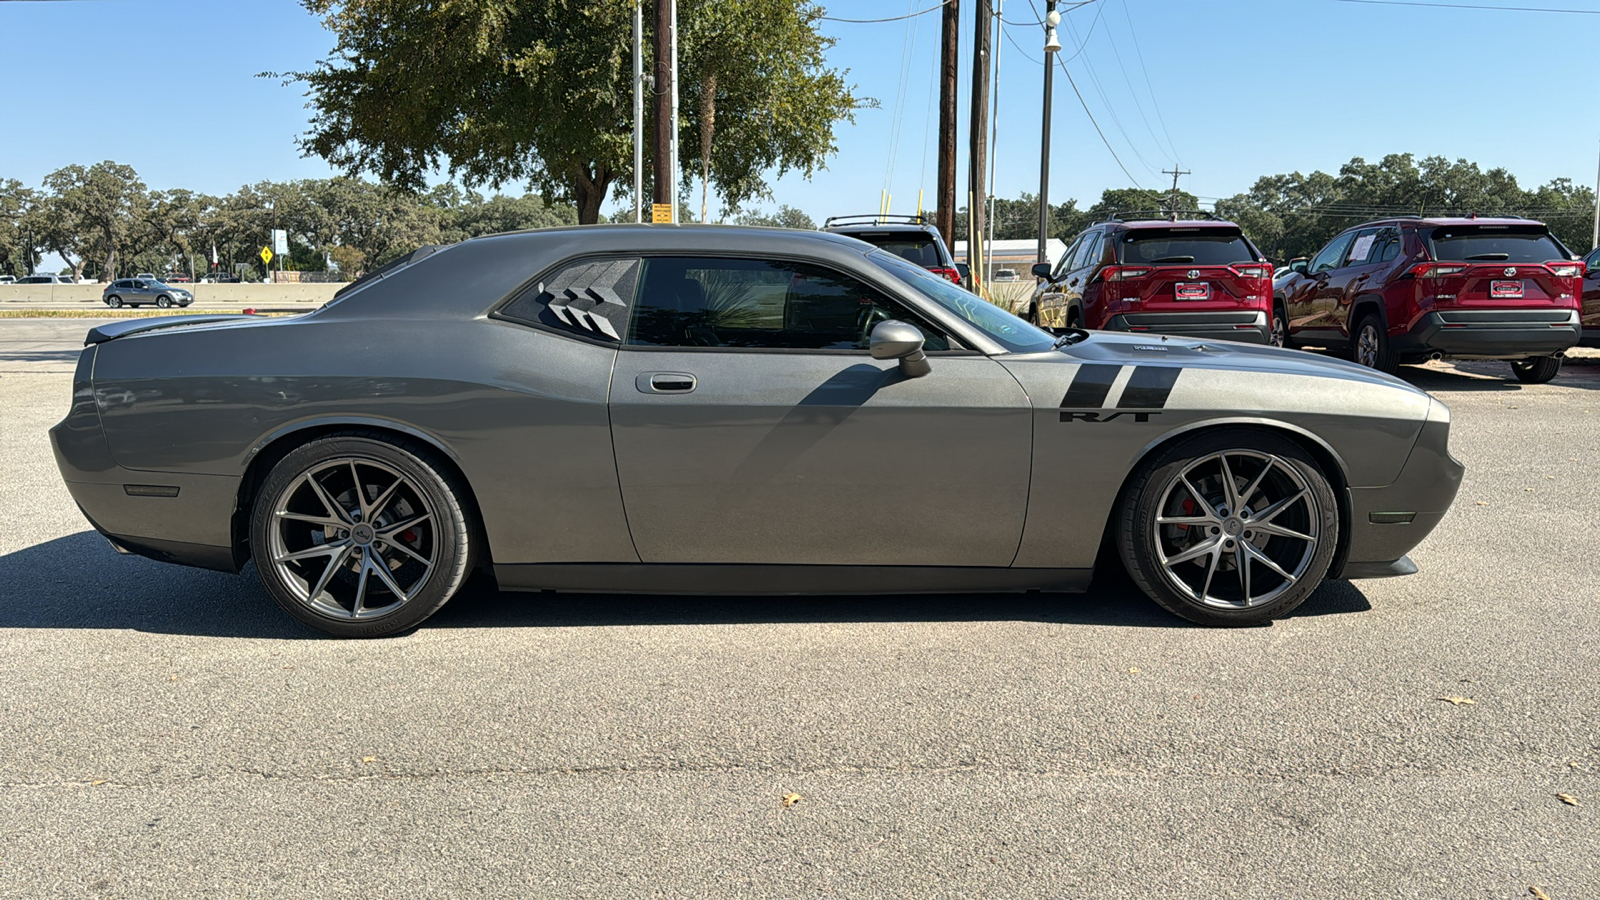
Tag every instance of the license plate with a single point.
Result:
(1505, 290)
(1201, 290)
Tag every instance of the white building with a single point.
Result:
(1018, 256)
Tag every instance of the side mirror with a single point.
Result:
(900, 340)
(965, 271)
(1041, 270)
(1300, 264)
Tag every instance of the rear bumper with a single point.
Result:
(1245, 326)
(1490, 334)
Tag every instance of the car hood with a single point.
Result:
(1155, 349)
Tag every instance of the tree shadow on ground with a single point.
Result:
(78, 581)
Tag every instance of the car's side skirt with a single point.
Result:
(639, 578)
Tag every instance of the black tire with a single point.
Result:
(427, 489)
(1285, 470)
(114, 301)
(1536, 371)
(1379, 354)
(164, 301)
(1278, 335)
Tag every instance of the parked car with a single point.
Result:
(219, 278)
(137, 292)
(731, 410)
(912, 238)
(176, 278)
(1591, 299)
(1187, 277)
(1005, 275)
(1409, 289)
(46, 279)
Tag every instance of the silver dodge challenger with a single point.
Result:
(732, 410)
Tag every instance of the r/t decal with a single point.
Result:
(1146, 389)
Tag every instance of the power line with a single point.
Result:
(1545, 9)
(923, 12)
(1153, 101)
(1132, 92)
(1106, 100)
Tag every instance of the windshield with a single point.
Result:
(1184, 247)
(1487, 243)
(1001, 327)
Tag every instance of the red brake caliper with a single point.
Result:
(1188, 510)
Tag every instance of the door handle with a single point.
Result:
(665, 383)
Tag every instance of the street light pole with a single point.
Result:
(1051, 45)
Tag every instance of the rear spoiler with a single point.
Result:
(124, 327)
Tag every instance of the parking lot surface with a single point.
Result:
(169, 731)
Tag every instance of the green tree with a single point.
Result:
(18, 245)
(786, 216)
(541, 93)
(92, 209)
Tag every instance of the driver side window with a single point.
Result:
(750, 303)
(1332, 255)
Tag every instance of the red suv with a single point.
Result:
(1409, 289)
(1188, 278)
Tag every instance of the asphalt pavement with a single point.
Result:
(169, 732)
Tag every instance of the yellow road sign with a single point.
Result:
(661, 212)
(266, 255)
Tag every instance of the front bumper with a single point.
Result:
(1245, 326)
(1489, 334)
(1387, 522)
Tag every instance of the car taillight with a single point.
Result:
(1252, 271)
(1436, 270)
(951, 274)
(1565, 269)
(1124, 273)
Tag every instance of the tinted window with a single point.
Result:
(1489, 243)
(1002, 327)
(747, 303)
(1594, 260)
(587, 297)
(913, 247)
(1331, 255)
(1184, 246)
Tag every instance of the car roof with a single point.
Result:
(1450, 220)
(1171, 223)
(857, 227)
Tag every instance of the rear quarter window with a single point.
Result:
(1175, 246)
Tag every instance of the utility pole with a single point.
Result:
(675, 168)
(945, 203)
(978, 141)
(1051, 45)
(1172, 198)
(1594, 239)
(665, 186)
(638, 110)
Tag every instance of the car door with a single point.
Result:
(1318, 294)
(1078, 275)
(1363, 263)
(751, 425)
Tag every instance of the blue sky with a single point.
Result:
(1231, 89)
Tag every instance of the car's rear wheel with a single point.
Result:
(1536, 371)
(164, 301)
(359, 535)
(1229, 528)
(1371, 344)
(114, 301)
(1280, 326)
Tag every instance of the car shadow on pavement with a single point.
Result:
(1484, 376)
(78, 581)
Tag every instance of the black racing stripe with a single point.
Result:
(1090, 387)
(1148, 387)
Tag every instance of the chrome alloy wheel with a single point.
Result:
(352, 538)
(1367, 345)
(1237, 529)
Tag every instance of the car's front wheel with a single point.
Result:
(360, 535)
(1280, 327)
(1229, 528)
(164, 301)
(1536, 371)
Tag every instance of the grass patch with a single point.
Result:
(125, 313)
